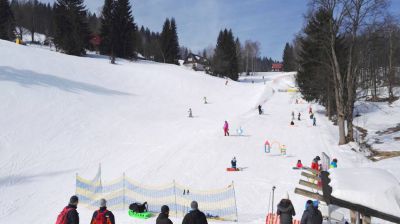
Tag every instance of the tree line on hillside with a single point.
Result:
(73, 30)
(348, 50)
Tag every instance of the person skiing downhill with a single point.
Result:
(314, 121)
(299, 117)
(260, 110)
(190, 112)
(292, 115)
(226, 128)
(205, 100)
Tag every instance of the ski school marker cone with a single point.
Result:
(283, 150)
(267, 147)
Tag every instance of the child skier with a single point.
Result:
(299, 165)
(190, 112)
(333, 163)
(233, 163)
(314, 164)
(226, 128)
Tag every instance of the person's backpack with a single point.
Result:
(101, 218)
(137, 207)
(62, 217)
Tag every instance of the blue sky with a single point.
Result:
(271, 22)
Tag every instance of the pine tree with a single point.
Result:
(118, 30)
(173, 53)
(71, 28)
(7, 25)
(124, 30)
(165, 39)
(169, 42)
(225, 61)
(106, 32)
(289, 63)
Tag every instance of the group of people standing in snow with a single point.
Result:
(286, 211)
(70, 215)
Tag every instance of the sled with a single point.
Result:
(143, 215)
(297, 168)
(234, 169)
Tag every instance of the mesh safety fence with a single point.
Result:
(120, 193)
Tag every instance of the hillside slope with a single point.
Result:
(61, 115)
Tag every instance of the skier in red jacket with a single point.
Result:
(314, 164)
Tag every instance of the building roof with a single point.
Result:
(277, 66)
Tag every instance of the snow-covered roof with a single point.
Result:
(370, 187)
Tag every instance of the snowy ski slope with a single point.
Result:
(61, 115)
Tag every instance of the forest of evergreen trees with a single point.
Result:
(72, 29)
(348, 50)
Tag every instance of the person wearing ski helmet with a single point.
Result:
(333, 163)
(314, 164)
(102, 215)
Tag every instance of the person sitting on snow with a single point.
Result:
(314, 164)
(299, 165)
(333, 163)
(233, 163)
(292, 123)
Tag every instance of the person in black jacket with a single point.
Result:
(311, 215)
(73, 215)
(108, 216)
(195, 216)
(163, 216)
(286, 210)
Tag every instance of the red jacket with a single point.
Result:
(315, 166)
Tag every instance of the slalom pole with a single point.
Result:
(273, 195)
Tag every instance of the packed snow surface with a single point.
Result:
(370, 187)
(61, 115)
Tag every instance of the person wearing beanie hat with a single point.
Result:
(195, 216)
(102, 215)
(286, 210)
(311, 215)
(69, 212)
(163, 216)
